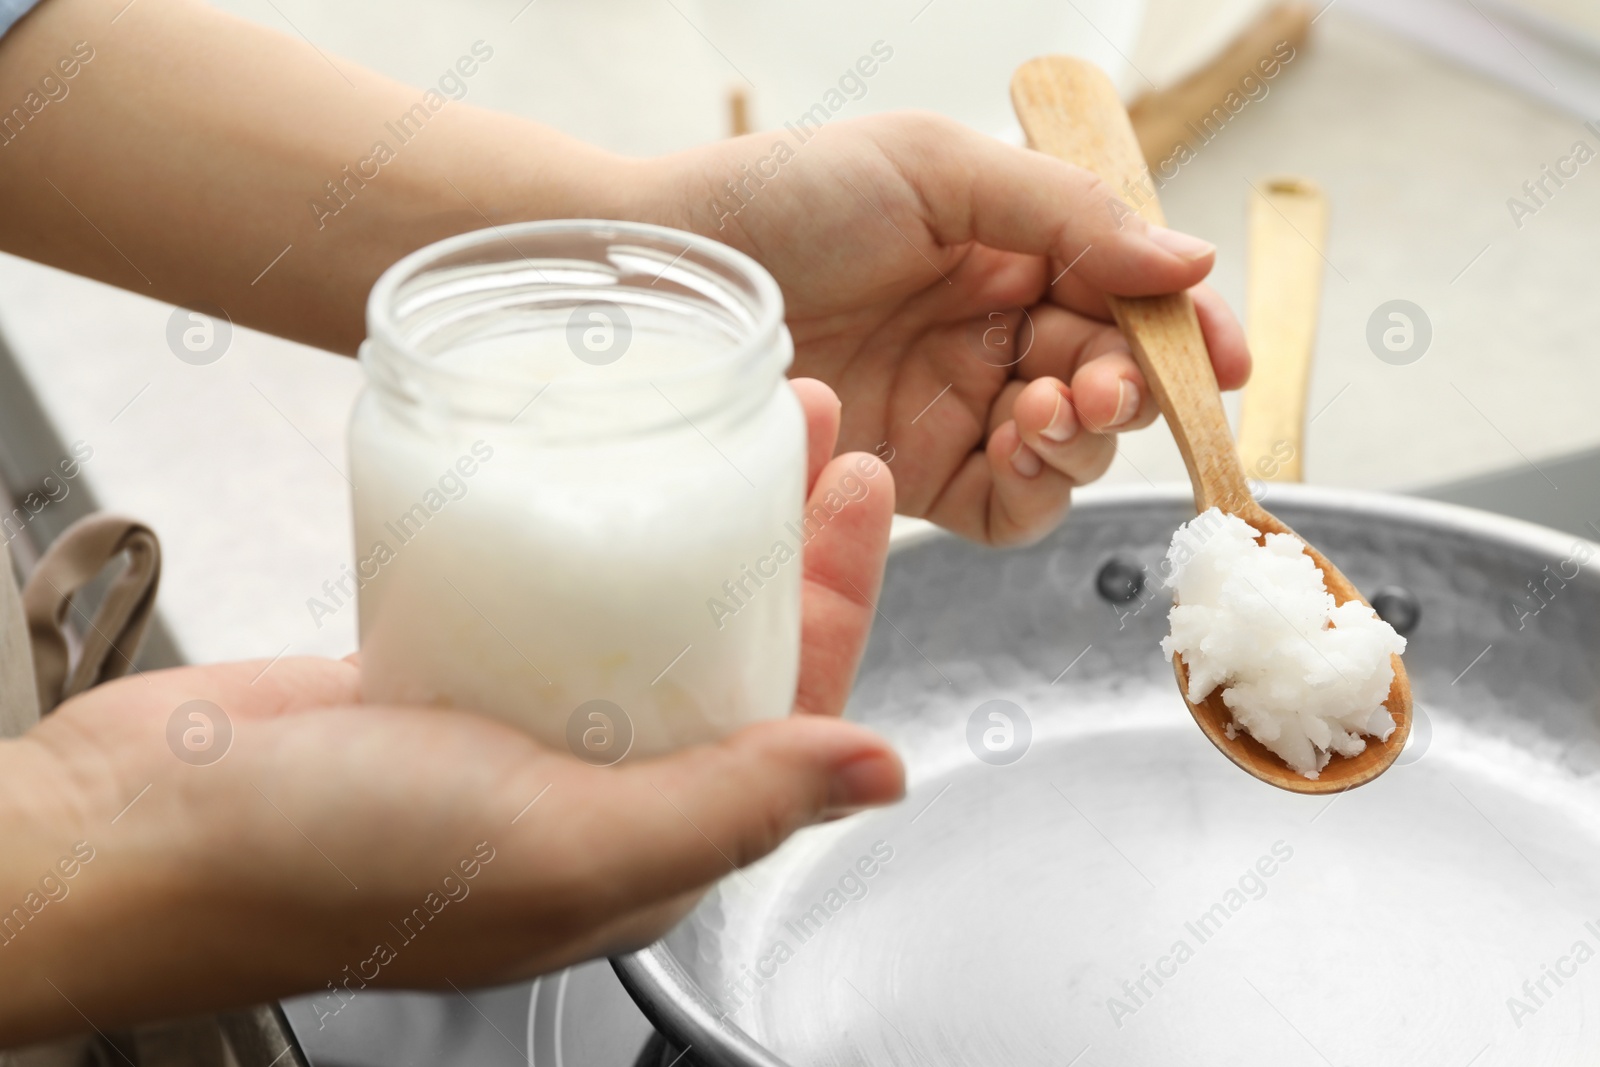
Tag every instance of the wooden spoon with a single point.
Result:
(1071, 111)
(1283, 292)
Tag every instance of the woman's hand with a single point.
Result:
(951, 289)
(334, 844)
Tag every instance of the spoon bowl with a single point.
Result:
(1342, 772)
(1069, 109)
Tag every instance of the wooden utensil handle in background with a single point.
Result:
(1288, 230)
(738, 111)
(1069, 109)
(1162, 117)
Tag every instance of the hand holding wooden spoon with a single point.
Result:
(1071, 111)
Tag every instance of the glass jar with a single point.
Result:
(578, 474)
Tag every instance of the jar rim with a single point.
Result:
(383, 328)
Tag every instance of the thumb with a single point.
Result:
(697, 815)
(1018, 200)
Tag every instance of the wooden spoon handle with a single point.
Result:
(1070, 110)
(1288, 229)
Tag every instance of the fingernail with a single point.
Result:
(1182, 245)
(865, 782)
(1063, 425)
(1025, 461)
(1127, 403)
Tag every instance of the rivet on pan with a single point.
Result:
(1397, 606)
(1120, 580)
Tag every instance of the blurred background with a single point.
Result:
(1421, 120)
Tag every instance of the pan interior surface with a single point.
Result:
(1128, 893)
(1086, 880)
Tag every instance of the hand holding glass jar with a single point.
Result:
(564, 861)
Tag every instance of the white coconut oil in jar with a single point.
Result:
(577, 468)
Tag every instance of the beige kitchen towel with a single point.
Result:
(19, 709)
(19, 696)
(112, 637)
(80, 553)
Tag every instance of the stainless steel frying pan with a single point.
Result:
(1078, 877)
